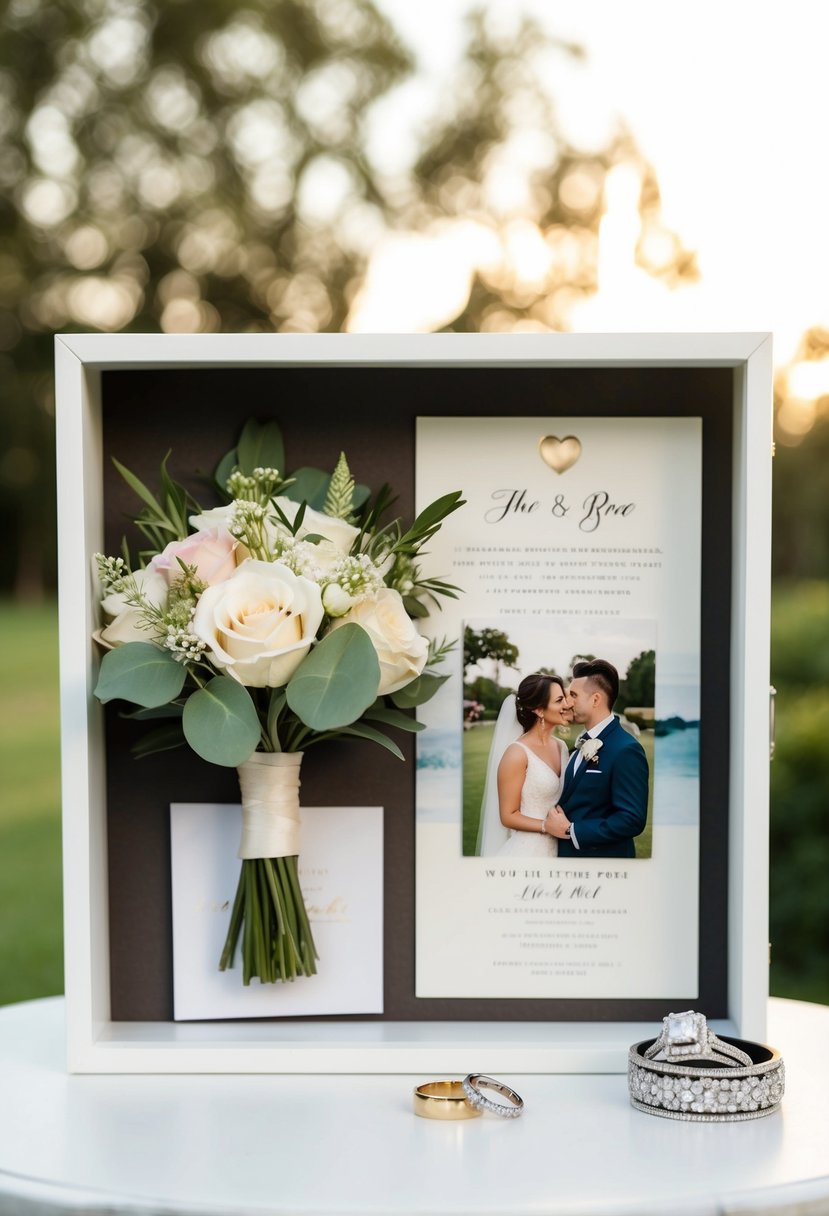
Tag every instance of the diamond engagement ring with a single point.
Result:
(474, 1083)
(687, 1038)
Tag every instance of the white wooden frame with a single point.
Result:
(95, 1042)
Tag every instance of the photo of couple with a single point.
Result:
(542, 799)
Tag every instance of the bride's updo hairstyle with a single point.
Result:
(534, 693)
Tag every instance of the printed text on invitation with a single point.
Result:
(580, 537)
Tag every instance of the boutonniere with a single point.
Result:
(590, 750)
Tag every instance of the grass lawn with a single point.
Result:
(476, 744)
(31, 925)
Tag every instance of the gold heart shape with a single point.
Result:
(559, 454)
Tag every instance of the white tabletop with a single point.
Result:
(350, 1144)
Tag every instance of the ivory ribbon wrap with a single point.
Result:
(269, 783)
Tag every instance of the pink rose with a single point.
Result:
(212, 551)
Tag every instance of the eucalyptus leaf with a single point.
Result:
(141, 673)
(337, 682)
(418, 692)
(260, 446)
(220, 722)
(224, 468)
(309, 485)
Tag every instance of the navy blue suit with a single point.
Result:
(606, 800)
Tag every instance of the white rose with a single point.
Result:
(341, 534)
(123, 620)
(400, 648)
(216, 517)
(259, 624)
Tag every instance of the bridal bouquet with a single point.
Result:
(253, 630)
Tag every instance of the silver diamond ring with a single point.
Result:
(707, 1092)
(687, 1038)
(475, 1082)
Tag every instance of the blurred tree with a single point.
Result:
(487, 692)
(638, 688)
(800, 522)
(799, 908)
(488, 644)
(198, 166)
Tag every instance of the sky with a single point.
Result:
(552, 642)
(728, 103)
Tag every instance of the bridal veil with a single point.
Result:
(491, 832)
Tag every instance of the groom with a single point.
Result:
(604, 799)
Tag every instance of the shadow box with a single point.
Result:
(617, 506)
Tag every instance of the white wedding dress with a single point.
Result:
(539, 794)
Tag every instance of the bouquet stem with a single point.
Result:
(269, 912)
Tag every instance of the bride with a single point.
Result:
(525, 771)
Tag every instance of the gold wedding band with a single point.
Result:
(443, 1100)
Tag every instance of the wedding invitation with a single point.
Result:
(580, 538)
(341, 875)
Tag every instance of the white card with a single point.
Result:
(580, 536)
(341, 874)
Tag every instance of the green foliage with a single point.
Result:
(339, 501)
(260, 446)
(162, 518)
(361, 730)
(800, 634)
(419, 691)
(220, 722)
(800, 517)
(638, 688)
(141, 673)
(488, 644)
(487, 692)
(31, 926)
(378, 712)
(799, 842)
(338, 680)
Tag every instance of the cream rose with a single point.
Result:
(212, 551)
(400, 648)
(216, 517)
(123, 620)
(339, 533)
(259, 624)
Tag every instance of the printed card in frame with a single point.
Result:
(124, 389)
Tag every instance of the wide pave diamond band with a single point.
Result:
(705, 1090)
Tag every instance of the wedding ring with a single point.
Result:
(706, 1091)
(443, 1100)
(687, 1036)
(475, 1082)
